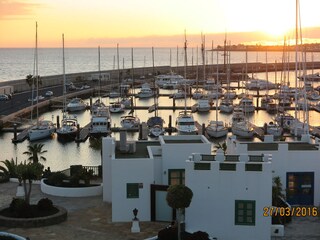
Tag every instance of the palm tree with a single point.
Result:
(223, 146)
(179, 197)
(27, 173)
(35, 151)
(10, 168)
(29, 80)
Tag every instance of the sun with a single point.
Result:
(278, 29)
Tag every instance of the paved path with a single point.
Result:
(90, 218)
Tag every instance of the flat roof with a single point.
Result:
(141, 150)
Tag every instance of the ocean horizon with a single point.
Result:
(17, 63)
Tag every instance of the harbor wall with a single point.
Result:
(115, 75)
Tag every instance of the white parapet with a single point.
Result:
(71, 192)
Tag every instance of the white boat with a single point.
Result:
(145, 91)
(178, 95)
(68, 128)
(197, 94)
(129, 122)
(76, 104)
(43, 129)
(167, 80)
(185, 123)
(116, 107)
(114, 94)
(271, 107)
(313, 95)
(314, 77)
(242, 129)
(69, 124)
(230, 94)
(156, 130)
(155, 125)
(216, 129)
(100, 123)
(226, 105)
(259, 84)
(246, 103)
(274, 129)
(285, 120)
(211, 85)
(127, 102)
(240, 125)
(298, 128)
(203, 105)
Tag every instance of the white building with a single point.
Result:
(297, 163)
(137, 174)
(230, 192)
(229, 195)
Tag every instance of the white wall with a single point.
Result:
(284, 161)
(108, 148)
(131, 171)
(213, 205)
(174, 155)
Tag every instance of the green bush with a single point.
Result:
(56, 179)
(45, 204)
(20, 208)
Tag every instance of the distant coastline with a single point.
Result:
(311, 47)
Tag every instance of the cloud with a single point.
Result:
(13, 9)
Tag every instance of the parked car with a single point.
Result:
(49, 94)
(4, 97)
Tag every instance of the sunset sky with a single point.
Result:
(145, 23)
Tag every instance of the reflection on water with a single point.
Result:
(63, 154)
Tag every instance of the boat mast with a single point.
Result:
(185, 72)
(296, 70)
(64, 78)
(99, 72)
(37, 72)
(217, 82)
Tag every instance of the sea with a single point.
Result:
(17, 63)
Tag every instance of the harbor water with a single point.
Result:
(17, 63)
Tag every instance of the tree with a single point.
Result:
(35, 151)
(223, 146)
(9, 168)
(29, 80)
(27, 173)
(179, 197)
(277, 191)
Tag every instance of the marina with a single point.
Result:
(168, 108)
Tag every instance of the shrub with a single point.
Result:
(170, 233)
(198, 236)
(56, 179)
(20, 208)
(45, 204)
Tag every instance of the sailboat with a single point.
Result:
(43, 128)
(68, 129)
(240, 124)
(216, 128)
(298, 128)
(226, 104)
(130, 121)
(155, 123)
(185, 123)
(100, 122)
(117, 106)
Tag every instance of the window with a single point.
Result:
(176, 176)
(228, 166)
(202, 166)
(132, 190)
(245, 212)
(253, 167)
